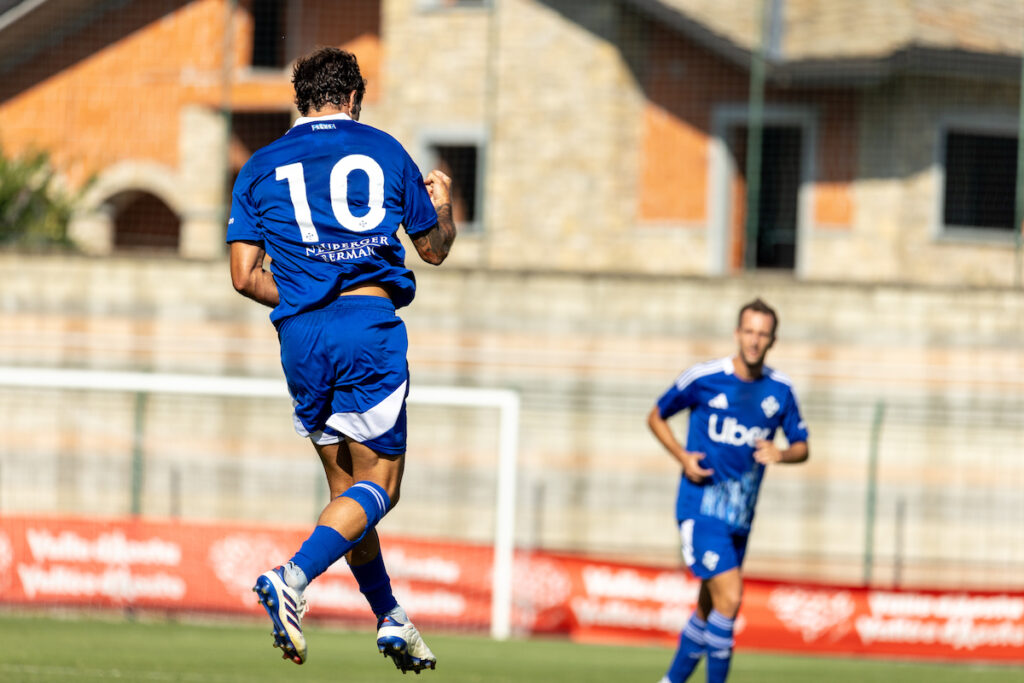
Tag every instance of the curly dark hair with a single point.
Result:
(327, 75)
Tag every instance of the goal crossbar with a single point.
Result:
(505, 401)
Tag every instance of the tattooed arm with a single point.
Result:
(434, 244)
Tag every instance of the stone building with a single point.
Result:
(603, 136)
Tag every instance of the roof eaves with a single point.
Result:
(696, 31)
(12, 11)
(912, 60)
(850, 70)
(32, 26)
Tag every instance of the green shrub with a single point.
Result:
(35, 208)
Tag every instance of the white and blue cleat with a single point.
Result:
(286, 607)
(400, 640)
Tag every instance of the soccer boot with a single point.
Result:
(286, 607)
(398, 638)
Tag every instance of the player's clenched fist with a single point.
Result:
(439, 186)
(766, 452)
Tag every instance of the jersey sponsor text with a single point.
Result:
(735, 434)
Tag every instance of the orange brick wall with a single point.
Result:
(119, 100)
(837, 163)
(682, 84)
(354, 25)
(115, 90)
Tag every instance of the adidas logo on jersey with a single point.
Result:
(735, 434)
(770, 406)
(720, 402)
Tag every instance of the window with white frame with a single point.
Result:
(980, 180)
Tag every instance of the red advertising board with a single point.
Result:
(211, 567)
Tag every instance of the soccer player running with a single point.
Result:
(736, 404)
(325, 202)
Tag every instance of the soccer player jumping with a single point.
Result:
(736, 404)
(325, 202)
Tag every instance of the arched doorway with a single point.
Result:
(143, 221)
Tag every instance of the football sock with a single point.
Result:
(373, 499)
(398, 614)
(375, 584)
(295, 577)
(691, 649)
(325, 546)
(318, 552)
(718, 637)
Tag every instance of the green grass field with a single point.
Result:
(34, 649)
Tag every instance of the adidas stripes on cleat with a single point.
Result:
(286, 607)
(402, 642)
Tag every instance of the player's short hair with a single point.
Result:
(759, 306)
(327, 75)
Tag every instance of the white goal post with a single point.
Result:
(504, 400)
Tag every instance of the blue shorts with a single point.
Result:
(347, 372)
(711, 547)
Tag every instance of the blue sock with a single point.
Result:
(373, 499)
(718, 637)
(691, 649)
(375, 584)
(324, 547)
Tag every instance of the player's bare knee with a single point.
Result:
(728, 605)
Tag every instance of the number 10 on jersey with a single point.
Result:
(295, 176)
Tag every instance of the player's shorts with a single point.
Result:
(711, 547)
(347, 372)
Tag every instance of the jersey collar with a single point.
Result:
(302, 120)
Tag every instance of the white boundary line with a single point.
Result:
(505, 400)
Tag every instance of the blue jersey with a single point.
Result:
(325, 201)
(728, 416)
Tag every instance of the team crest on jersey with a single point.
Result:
(720, 402)
(709, 560)
(770, 406)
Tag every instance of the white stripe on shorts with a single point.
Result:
(374, 422)
(686, 538)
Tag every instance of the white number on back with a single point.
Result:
(297, 189)
(293, 173)
(339, 192)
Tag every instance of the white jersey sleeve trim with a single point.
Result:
(779, 377)
(374, 422)
(704, 369)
